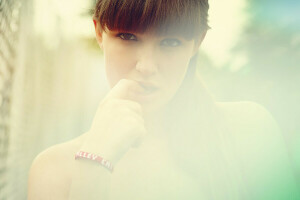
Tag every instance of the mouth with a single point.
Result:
(148, 86)
(149, 89)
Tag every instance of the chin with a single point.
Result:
(153, 108)
(150, 108)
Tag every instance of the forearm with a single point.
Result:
(90, 181)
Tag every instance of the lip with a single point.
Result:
(149, 92)
(146, 96)
(148, 85)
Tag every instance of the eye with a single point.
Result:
(127, 36)
(170, 42)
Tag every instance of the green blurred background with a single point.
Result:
(52, 76)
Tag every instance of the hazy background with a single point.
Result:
(52, 76)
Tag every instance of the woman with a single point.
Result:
(158, 128)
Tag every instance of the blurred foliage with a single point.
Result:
(271, 76)
(271, 43)
(90, 12)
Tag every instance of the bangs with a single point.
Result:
(187, 18)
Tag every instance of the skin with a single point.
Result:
(162, 61)
(123, 119)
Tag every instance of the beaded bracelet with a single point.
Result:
(93, 157)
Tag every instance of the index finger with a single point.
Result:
(124, 89)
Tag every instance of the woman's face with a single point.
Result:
(158, 63)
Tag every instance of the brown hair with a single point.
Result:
(192, 114)
(185, 17)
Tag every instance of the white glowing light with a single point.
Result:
(227, 19)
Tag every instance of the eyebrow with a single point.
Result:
(162, 35)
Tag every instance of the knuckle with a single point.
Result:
(135, 106)
(131, 120)
(129, 83)
(125, 110)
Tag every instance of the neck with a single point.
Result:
(154, 122)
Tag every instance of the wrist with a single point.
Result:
(105, 151)
(96, 158)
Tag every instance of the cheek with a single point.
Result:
(174, 70)
(118, 63)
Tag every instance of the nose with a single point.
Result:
(147, 63)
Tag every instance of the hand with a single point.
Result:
(118, 123)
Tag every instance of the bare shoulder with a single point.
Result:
(253, 128)
(248, 117)
(262, 151)
(50, 172)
